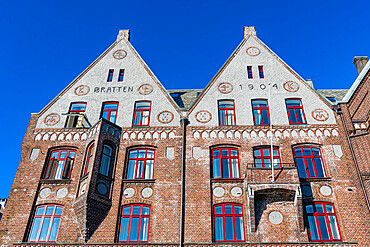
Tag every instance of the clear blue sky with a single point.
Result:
(44, 45)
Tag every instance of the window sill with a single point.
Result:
(315, 179)
(138, 180)
(55, 181)
(227, 180)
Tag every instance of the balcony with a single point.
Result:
(286, 173)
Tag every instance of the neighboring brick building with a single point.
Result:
(116, 159)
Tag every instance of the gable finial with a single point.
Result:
(249, 31)
(123, 34)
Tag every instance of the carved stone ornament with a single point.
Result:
(320, 114)
(82, 90)
(52, 119)
(253, 51)
(291, 86)
(275, 217)
(147, 192)
(225, 87)
(119, 54)
(165, 117)
(203, 116)
(145, 89)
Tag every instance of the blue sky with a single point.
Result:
(44, 45)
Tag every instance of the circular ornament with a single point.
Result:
(147, 192)
(225, 87)
(320, 114)
(203, 116)
(102, 189)
(275, 217)
(51, 119)
(82, 90)
(145, 89)
(83, 189)
(306, 190)
(253, 51)
(218, 191)
(236, 191)
(119, 54)
(291, 86)
(62, 192)
(129, 192)
(45, 192)
(165, 117)
(325, 190)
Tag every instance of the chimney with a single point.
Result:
(360, 63)
(309, 82)
(249, 31)
(123, 34)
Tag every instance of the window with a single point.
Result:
(332, 99)
(309, 162)
(261, 114)
(295, 111)
(262, 157)
(225, 163)
(106, 161)
(45, 224)
(229, 226)
(110, 75)
(141, 113)
(140, 164)
(260, 72)
(60, 164)
(226, 112)
(322, 222)
(76, 115)
(134, 223)
(109, 111)
(249, 71)
(121, 74)
(89, 159)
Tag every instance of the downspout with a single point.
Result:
(184, 122)
(339, 111)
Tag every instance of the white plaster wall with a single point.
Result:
(275, 73)
(135, 75)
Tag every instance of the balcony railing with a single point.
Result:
(284, 173)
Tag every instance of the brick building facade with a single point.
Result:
(257, 158)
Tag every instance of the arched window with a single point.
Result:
(106, 160)
(229, 224)
(89, 159)
(134, 223)
(60, 164)
(262, 157)
(322, 221)
(140, 164)
(225, 162)
(309, 162)
(45, 223)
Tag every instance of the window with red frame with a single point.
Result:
(60, 164)
(89, 159)
(226, 111)
(134, 223)
(260, 72)
(45, 223)
(261, 114)
(110, 75)
(295, 111)
(249, 72)
(309, 162)
(121, 74)
(140, 164)
(228, 220)
(262, 157)
(141, 113)
(76, 115)
(109, 111)
(322, 222)
(225, 163)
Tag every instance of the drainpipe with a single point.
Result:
(339, 111)
(184, 122)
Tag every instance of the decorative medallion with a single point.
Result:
(320, 114)
(62, 192)
(236, 191)
(102, 189)
(128, 192)
(203, 116)
(325, 190)
(147, 192)
(45, 192)
(291, 86)
(225, 87)
(306, 190)
(218, 191)
(253, 51)
(145, 89)
(165, 117)
(82, 90)
(275, 217)
(51, 119)
(119, 54)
